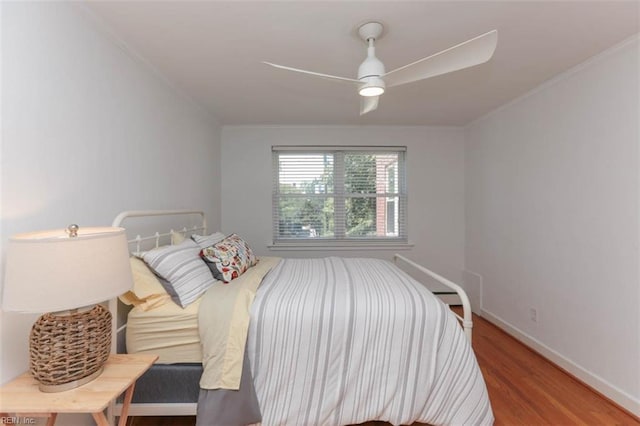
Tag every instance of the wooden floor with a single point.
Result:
(524, 388)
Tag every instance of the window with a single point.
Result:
(339, 194)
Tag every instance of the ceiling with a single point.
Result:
(212, 51)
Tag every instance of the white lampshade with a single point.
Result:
(50, 271)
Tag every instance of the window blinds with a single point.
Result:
(339, 194)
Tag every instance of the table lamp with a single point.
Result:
(67, 273)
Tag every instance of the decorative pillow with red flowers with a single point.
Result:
(229, 258)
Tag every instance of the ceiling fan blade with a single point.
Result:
(368, 104)
(317, 74)
(464, 55)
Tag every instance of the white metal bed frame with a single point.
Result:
(119, 324)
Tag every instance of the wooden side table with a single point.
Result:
(22, 396)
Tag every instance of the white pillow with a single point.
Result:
(186, 275)
(208, 240)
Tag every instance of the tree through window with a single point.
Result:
(339, 194)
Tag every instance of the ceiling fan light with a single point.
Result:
(371, 91)
(373, 86)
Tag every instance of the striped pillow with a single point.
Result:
(185, 276)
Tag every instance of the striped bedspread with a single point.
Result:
(339, 341)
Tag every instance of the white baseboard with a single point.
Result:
(617, 395)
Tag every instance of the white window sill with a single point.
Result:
(318, 246)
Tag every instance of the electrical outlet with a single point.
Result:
(533, 314)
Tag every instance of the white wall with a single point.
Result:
(435, 181)
(552, 220)
(88, 131)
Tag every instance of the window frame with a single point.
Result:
(340, 240)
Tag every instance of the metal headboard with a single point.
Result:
(157, 237)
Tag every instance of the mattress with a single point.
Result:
(168, 331)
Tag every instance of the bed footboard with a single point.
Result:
(466, 318)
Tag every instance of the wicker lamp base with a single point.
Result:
(69, 349)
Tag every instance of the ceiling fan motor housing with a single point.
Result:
(371, 67)
(371, 70)
(370, 73)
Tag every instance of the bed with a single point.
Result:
(328, 341)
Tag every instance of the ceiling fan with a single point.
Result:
(373, 80)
